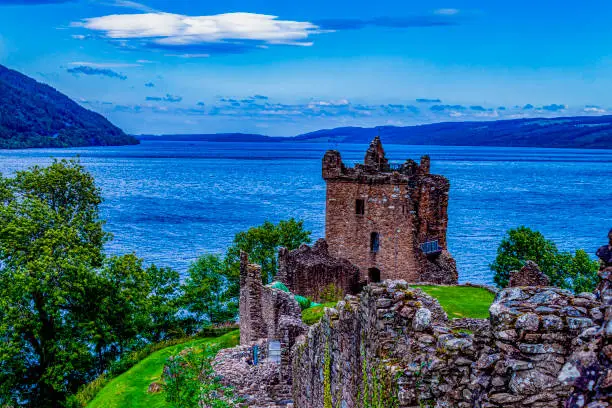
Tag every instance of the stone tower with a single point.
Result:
(389, 220)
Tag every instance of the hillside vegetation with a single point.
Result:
(130, 388)
(33, 114)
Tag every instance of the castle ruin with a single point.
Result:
(389, 220)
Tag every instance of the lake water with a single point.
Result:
(172, 201)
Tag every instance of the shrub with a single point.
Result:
(331, 293)
(190, 381)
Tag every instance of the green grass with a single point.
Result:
(129, 390)
(313, 314)
(461, 301)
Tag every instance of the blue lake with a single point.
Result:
(172, 201)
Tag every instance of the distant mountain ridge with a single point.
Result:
(33, 114)
(585, 132)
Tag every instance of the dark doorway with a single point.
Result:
(359, 207)
(374, 275)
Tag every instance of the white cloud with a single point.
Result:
(594, 109)
(103, 64)
(188, 55)
(447, 11)
(175, 29)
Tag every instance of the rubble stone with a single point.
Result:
(529, 275)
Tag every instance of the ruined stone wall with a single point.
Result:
(392, 346)
(307, 271)
(406, 207)
(262, 309)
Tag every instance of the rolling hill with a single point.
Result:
(585, 132)
(33, 114)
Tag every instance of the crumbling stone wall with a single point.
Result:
(405, 205)
(307, 271)
(266, 315)
(393, 346)
(263, 309)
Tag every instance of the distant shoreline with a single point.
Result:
(580, 132)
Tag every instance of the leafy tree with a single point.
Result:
(263, 242)
(579, 271)
(121, 304)
(575, 272)
(210, 292)
(163, 303)
(51, 241)
(520, 245)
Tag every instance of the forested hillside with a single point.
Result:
(33, 114)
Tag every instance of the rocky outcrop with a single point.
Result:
(529, 275)
(393, 345)
(307, 271)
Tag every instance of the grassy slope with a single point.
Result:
(461, 301)
(457, 301)
(313, 314)
(130, 388)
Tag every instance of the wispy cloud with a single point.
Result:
(104, 64)
(447, 11)
(132, 5)
(554, 107)
(167, 98)
(594, 109)
(442, 108)
(188, 56)
(89, 70)
(442, 17)
(33, 2)
(426, 100)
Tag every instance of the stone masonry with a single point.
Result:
(528, 275)
(307, 271)
(378, 215)
(264, 311)
(393, 346)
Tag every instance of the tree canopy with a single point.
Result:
(575, 272)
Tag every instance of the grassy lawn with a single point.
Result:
(461, 301)
(313, 314)
(129, 390)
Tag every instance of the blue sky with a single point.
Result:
(287, 67)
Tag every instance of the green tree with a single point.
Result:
(163, 303)
(51, 242)
(210, 291)
(579, 271)
(575, 272)
(263, 242)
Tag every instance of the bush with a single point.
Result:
(190, 381)
(331, 293)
